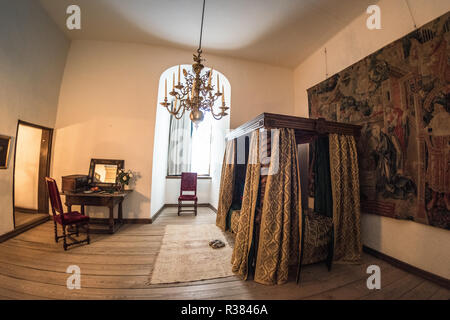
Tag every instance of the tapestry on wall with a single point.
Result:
(401, 96)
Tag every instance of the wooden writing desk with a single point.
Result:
(109, 200)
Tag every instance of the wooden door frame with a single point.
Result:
(44, 166)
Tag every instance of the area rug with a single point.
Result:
(185, 255)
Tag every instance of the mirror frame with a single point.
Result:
(7, 141)
(120, 165)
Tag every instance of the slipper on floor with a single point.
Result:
(218, 244)
(212, 242)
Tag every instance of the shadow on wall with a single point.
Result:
(131, 208)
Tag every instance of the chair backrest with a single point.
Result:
(55, 198)
(188, 182)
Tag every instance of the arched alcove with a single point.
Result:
(166, 190)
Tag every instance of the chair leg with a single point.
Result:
(87, 233)
(77, 231)
(179, 206)
(64, 238)
(195, 207)
(56, 231)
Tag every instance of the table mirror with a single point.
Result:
(103, 172)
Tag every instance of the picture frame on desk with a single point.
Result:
(5, 146)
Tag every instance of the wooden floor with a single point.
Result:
(22, 218)
(33, 266)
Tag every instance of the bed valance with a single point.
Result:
(270, 229)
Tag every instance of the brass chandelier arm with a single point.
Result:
(177, 110)
(181, 116)
(221, 114)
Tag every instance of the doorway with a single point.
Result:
(31, 166)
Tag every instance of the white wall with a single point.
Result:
(420, 245)
(160, 155)
(32, 56)
(108, 102)
(28, 152)
(173, 191)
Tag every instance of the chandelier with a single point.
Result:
(197, 95)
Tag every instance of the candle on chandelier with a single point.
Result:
(223, 95)
(218, 87)
(179, 74)
(210, 74)
(165, 89)
(173, 81)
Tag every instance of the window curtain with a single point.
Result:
(279, 239)
(226, 185)
(346, 198)
(180, 145)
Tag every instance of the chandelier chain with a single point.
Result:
(201, 28)
(197, 94)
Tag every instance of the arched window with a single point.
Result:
(191, 148)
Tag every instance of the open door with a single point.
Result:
(31, 166)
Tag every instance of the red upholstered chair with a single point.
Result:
(188, 183)
(75, 219)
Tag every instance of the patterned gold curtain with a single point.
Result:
(346, 199)
(279, 235)
(279, 241)
(226, 185)
(244, 235)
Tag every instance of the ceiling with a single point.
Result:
(278, 32)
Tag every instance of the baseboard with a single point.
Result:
(409, 268)
(25, 210)
(126, 221)
(23, 228)
(212, 208)
(156, 215)
(175, 205)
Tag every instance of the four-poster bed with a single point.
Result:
(260, 196)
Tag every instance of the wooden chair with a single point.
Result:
(188, 183)
(74, 218)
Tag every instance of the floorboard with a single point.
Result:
(22, 218)
(118, 266)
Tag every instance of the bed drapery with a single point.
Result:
(244, 235)
(278, 244)
(323, 199)
(226, 185)
(346, 198)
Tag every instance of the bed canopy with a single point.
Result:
(260, 196)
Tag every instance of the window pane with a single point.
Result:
(201, 146)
